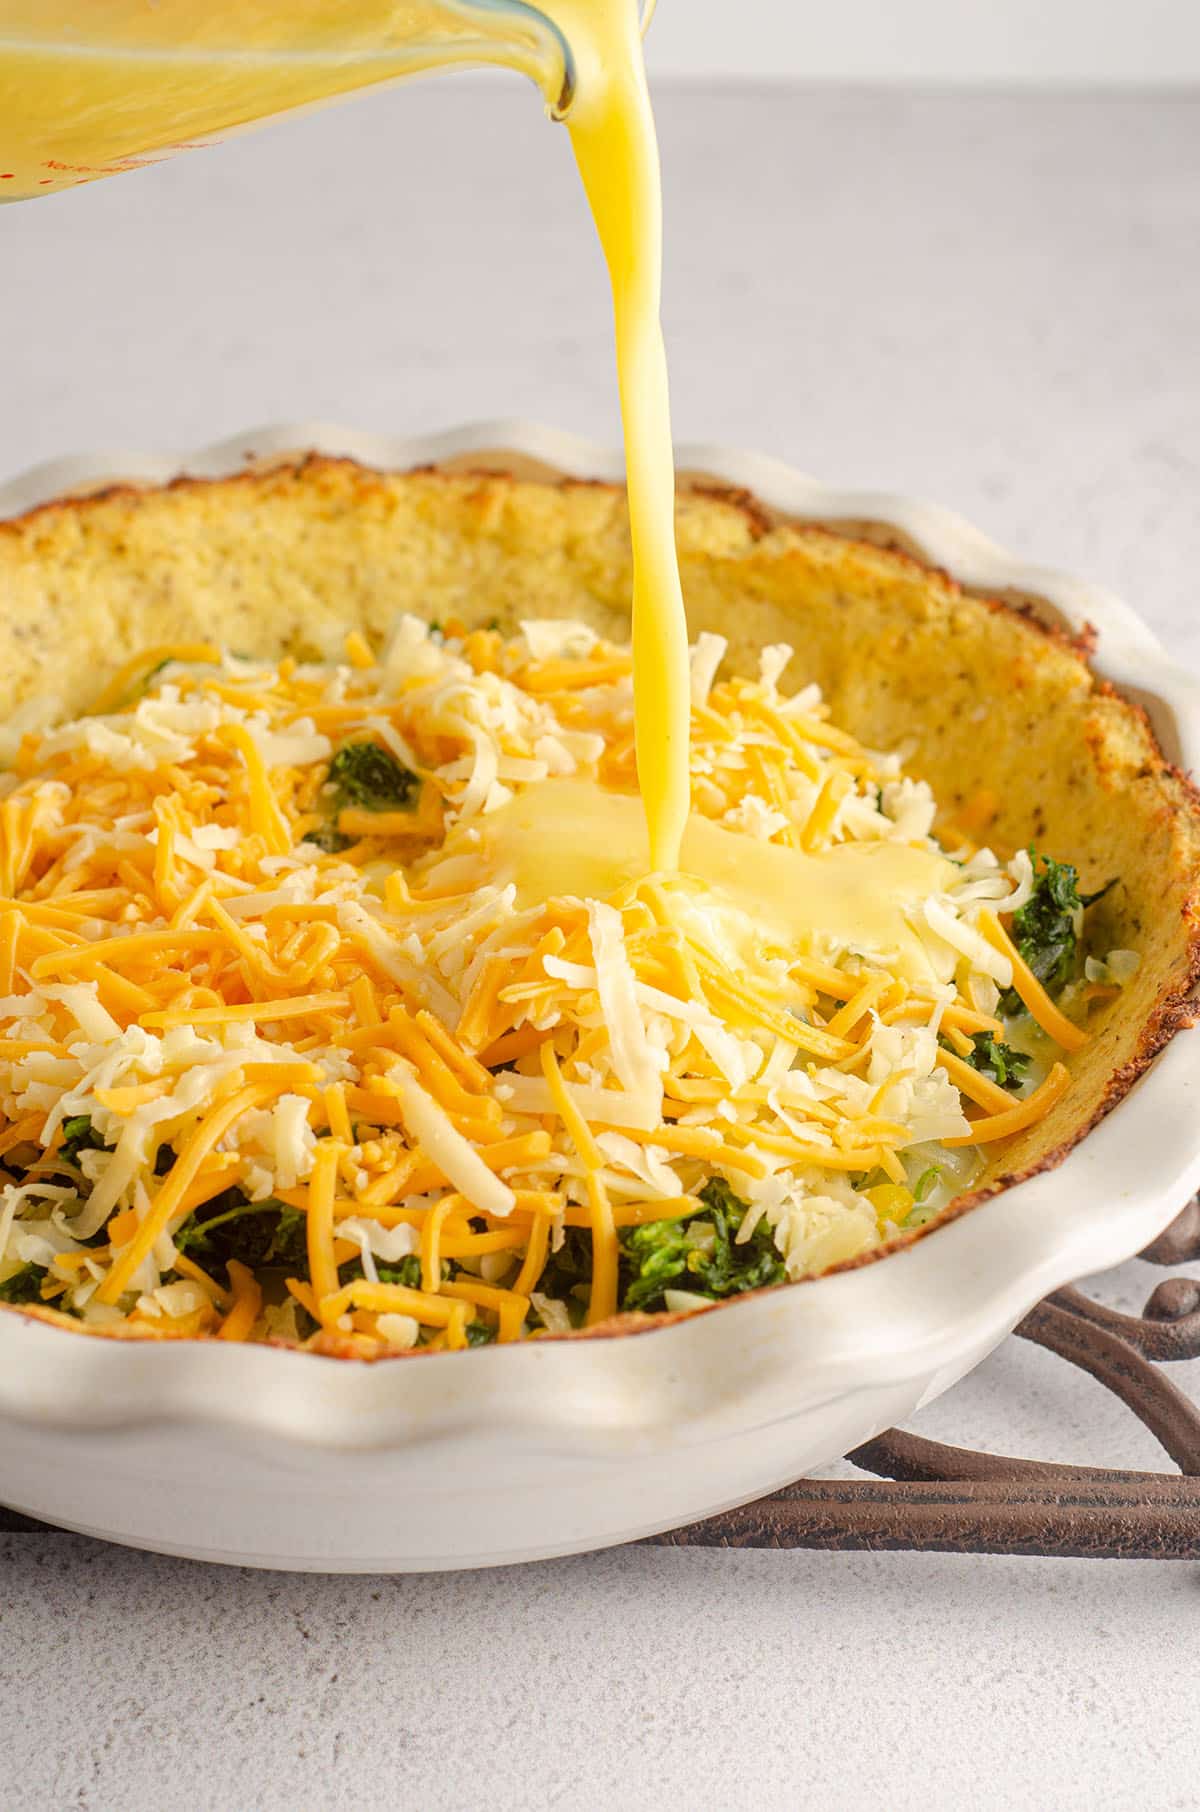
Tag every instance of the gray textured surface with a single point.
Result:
(664, 1682)
(990, 302)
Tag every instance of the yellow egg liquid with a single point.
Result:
(863, 894)
(89, 88)
(612, 130)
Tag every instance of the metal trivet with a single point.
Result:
(955, 1500)
(937, 1498)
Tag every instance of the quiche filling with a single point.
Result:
(337, 1006)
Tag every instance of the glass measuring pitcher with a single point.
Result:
(89, 88)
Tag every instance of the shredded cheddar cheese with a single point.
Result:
(338, 1007)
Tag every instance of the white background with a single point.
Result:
(1076, 42)
(985, 299)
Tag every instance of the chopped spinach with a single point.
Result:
(24, 1285)
(289, 1242)
(999, 1061)
(681, 1254)
(570, 1268)
(1046, 928)
(79, 1135)
(328, 839)
(694, 1252)
(255, 1233)
(408, 1272)
(369, 777)
(480, 1334)
(364, 775)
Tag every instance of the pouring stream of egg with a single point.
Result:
(612, 131)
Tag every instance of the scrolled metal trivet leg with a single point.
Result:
(951, 1499)
(1150, 1519)
(1168, 1328)
(1172, 1418)
(1181, 1241)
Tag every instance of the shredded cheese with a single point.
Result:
(238, 992)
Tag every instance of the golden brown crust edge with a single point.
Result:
(290, 555)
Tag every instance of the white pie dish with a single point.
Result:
(271, 1458)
